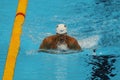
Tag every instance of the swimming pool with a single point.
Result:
(84, 19)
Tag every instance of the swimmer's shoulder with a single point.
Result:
(71, 38)
(50, 38)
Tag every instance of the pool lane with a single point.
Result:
(7, 13)
(15, 41)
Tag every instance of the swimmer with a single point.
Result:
(60, 41)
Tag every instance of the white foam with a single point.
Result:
(62, 47)
(89, 42)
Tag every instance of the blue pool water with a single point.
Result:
(7, 14)
(84, 19)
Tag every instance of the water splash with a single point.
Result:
(89, 42)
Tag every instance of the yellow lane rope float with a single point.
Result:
(15, 41)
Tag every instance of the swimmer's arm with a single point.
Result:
(73, 44)
(76, 46)
(44, 44)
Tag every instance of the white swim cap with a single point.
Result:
(61, 29)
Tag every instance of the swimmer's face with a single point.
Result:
(61, 37)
